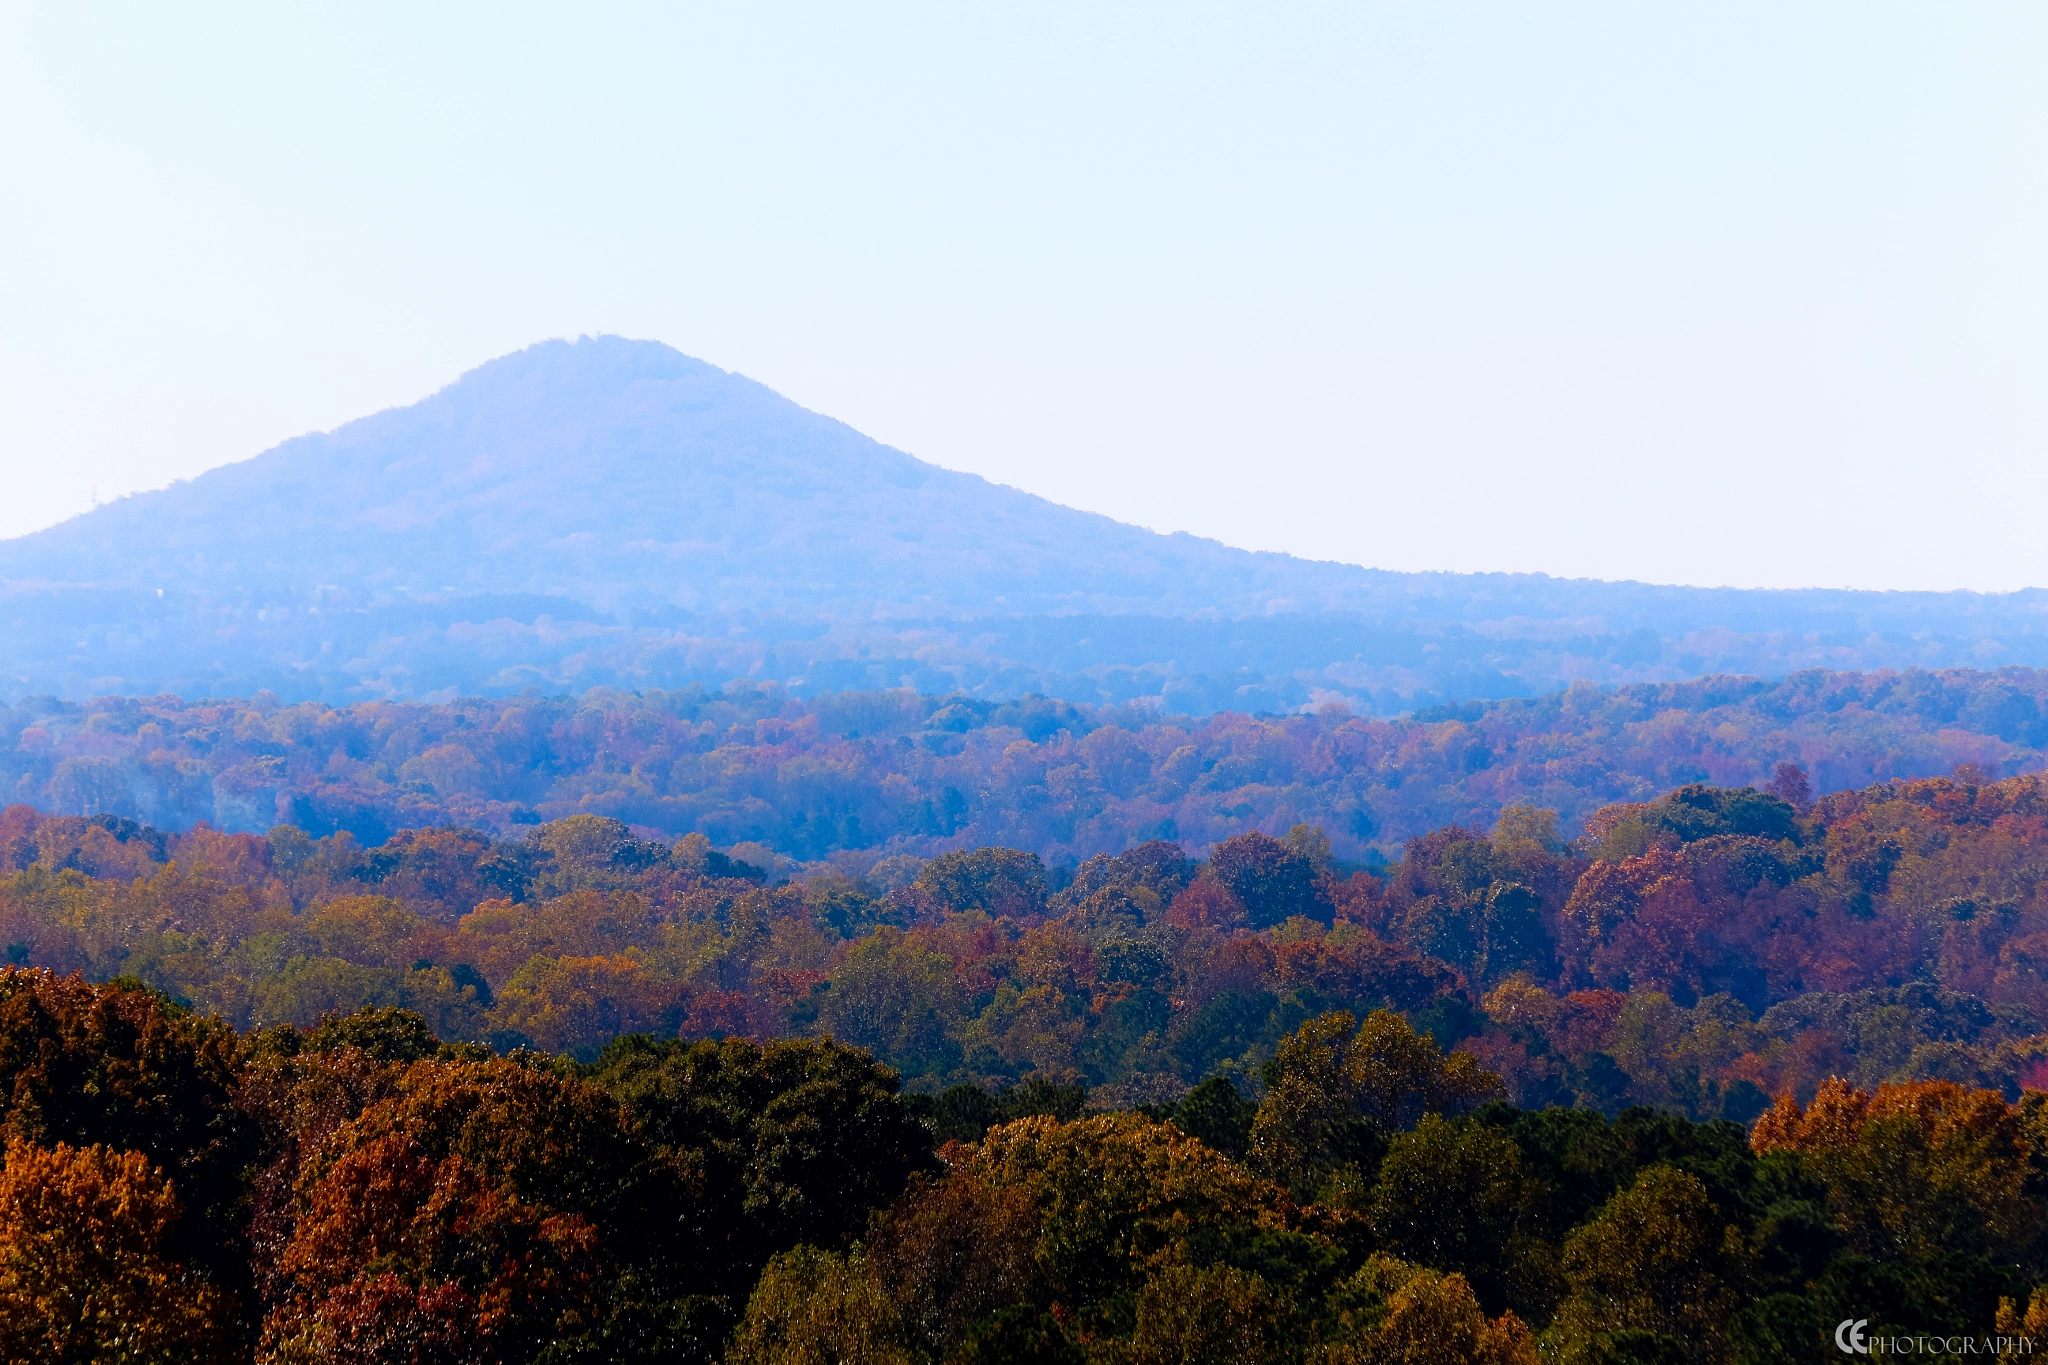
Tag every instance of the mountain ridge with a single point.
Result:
(612, 512)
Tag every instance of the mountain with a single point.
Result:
(612, 512)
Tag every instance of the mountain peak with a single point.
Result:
(612, 510)
(624, 472)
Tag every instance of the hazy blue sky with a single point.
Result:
(1749, 294)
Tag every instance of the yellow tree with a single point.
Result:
(1214, 1313)
(578, 1004)
(1914, 1169)
(1115, 1195)
(1402, 1314)
(814, 1307)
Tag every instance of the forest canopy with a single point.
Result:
(362, 1191)
(1727, 1067)
(1703, 951)
(855, 777)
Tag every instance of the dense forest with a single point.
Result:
(1700, 952)
(362, 1192)
(1728, 1067)
(852, 778)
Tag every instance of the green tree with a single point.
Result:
(996, 881)
(1274, 880)
(790, 1143)
(1216, 1113)
(1019, 1335)
(897, 999)
(584, 852)
(1449, 1197)
(387, 1035)
(1659, 1259)
(1336, 1089)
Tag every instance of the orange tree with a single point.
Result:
(84, 1269)
(116, 1067)
(484, 1209)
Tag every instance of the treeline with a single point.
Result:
(363, 1192)
(1701, 952)
(852, 777)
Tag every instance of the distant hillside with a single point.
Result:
(854, 777)
(610, 512)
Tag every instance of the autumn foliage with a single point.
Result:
(1371, 1199)
(85, 1262)
(1706, 950)
(855, 776)
(1695, 1082)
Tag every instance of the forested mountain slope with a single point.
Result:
(611, 512)
(853, 777)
